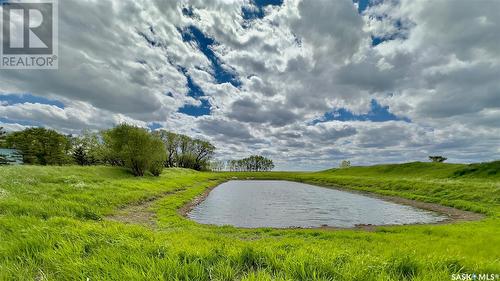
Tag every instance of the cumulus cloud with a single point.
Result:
(264, 79)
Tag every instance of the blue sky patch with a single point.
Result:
(398, 35)
(263, 3)
(251, 13)
(12, 99)
(221, 73)
(362, 5)
(256, 10)
(154, 126)
(197, 111)
(188, 11)
(378, 113)
(377, 40)
(31, 123)
(196, 92)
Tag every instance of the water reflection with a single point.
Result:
(283, 204)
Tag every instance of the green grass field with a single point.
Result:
(54, 226)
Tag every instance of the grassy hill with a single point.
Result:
(489, 170)
(481, 171)
(472, 187)
(414, 169)
(57, 223)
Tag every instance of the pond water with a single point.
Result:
(283, 204)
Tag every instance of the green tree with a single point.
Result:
(217, 166)
(345, 164)
(254, 163)
(437, 159)
(171, 142)
(136, 148)
(87, 149)
(79, 156)
(183, 151)
(184, 154)
(203, 152)
(158, 157)
(40, 146)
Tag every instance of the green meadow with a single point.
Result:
(57, 223)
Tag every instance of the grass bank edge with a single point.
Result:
(318, 178)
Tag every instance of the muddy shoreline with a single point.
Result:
(453, 215)
(184, 210)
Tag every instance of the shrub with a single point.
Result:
(135, 148)
(158, 156)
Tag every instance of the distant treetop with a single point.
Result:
(437, 159)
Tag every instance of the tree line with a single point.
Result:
(124, 145)
(183, 151)
(254, 163)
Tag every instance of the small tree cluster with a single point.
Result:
(41, 146)
(123, 145)
(437, 159)
(345, 164)
(88, 149)
(135, 148)
(255, 163)
(217, 166)
(185, 152)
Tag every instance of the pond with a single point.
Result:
(284, 204)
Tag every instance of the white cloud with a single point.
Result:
(440, 69)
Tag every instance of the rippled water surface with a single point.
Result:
(283, 204)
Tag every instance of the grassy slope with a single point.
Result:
(53, 226)
(469, 187)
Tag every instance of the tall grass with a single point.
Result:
(54, 226)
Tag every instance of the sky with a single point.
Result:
(306, 83)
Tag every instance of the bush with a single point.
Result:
(135, 148)
(157, 168)
(159, 156)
